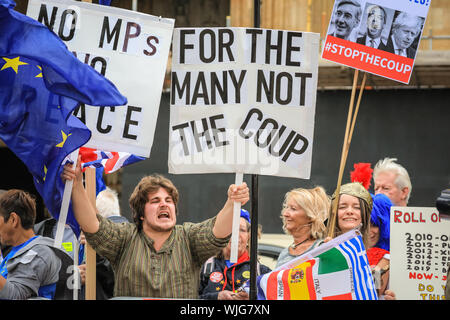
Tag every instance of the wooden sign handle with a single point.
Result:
(351, 121)
(91, 270)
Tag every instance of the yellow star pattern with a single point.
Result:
(45, 172)
(64, 137)
(40, 74)
(13, 63)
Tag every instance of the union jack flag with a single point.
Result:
(111, 161)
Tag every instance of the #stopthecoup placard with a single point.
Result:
(377, 36)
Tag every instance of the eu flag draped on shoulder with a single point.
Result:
(336, 270)
(41, 83)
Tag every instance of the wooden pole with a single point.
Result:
(91, 263)
(351, 121)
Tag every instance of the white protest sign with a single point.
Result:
(243, 100)
(378, 36)
(420, 253)
(130, 49)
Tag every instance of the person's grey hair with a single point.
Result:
(354, 3)
(404, 18)
(108, 203)
(390, 164)
(316, 204)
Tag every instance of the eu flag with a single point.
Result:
(41, 83)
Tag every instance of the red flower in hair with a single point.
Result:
(362, 174)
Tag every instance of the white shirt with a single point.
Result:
(397, 50)
(376, 42)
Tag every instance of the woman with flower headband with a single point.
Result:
(354, 209)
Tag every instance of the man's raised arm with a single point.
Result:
(84, 211)
(224, 221)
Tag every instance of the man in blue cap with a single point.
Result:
(222, 280)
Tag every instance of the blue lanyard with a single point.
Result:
(3, 269)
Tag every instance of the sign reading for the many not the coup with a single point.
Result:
(243, 100)
(128, 48)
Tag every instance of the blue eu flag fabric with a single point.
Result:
(41, 83)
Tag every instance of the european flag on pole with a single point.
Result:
(41, 83)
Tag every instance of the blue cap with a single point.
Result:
(246, 215)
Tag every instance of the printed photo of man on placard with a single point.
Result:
(375, 26)
(405, 34)
(345, 20)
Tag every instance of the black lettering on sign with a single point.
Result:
(289, 144)
(211, 45)
(81, 110)
(102, 62)
(73, 15)
(226, 45)
(129, 122)
(151, 45)
(272, 87)
(303, 77)
(183, 45)
(208, 90)
(291, 48)
(254, 33)
(268, 42)
(106, 31)
(183, 90)
(200, 90)
(129, 34)
(278, 47)
(216, 86)
(43, 16)
(205, 128)
(100, 120)
(44, 19)
(183, 140)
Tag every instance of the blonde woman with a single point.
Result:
(304, 213)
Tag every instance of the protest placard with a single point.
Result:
(420, 253)
(130, 49)
(243, 100)
(377, 36)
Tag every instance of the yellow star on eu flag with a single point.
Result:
(64, 136)
(40, 74)
(13, 63)
(45, 172)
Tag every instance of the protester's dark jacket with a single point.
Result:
(215, 276)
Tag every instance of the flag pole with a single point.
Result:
(61, 225)
(91, 272)
(351, 121)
